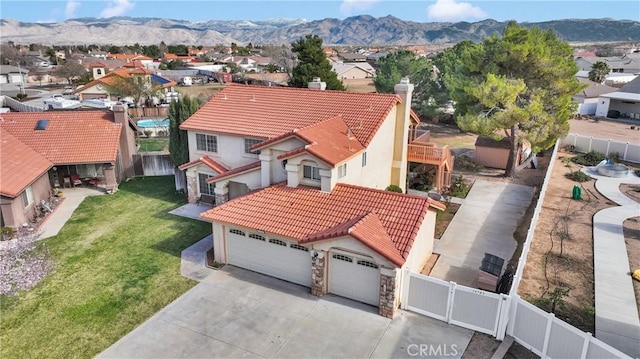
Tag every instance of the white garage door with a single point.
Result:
(274, 257)
(355, 278)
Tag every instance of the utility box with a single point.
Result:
(490, 271)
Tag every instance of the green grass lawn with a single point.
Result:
(154, 144)
(117, 262)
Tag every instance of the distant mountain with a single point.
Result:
(357, 30)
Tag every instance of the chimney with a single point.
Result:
(316, 84)
(127, 147)
(403, 120)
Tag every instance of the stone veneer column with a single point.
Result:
(318, 265)
(388, 301)
(221, 191)
(192, 186)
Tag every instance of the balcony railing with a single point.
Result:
(427, 153)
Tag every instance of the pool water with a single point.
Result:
(154, 123)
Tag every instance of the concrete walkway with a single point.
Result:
(72, 199)
(484, 223)
(190, 210)
(617, 321)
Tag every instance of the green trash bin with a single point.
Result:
(577, 192)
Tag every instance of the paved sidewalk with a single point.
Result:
(617, 322)
(72, 199)
(191, 210)
(485, 222)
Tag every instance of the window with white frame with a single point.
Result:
(205, 188)
(248, 143)
(27, 196)
(207, 143)
(311, 172)
(342, 170)
(364, 159)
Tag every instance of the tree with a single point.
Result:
(282, 56)
(179, 111)
(599, 71)
(153, 51)
(137, 87)
(393, 67)
(70, 70)
(312, 62)
(519, 84)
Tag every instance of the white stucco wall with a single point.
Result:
(423, 243)
(587, 106)
(230, 150)
(352, 245)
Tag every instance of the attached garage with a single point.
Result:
(354, 277)
(271, 256)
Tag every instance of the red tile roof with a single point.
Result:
(330, 140)
(20, 165)
(270, 112)
(387, 222)
(207, 161)
(236, 171)
(71, 137)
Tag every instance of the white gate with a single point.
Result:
(466, 307)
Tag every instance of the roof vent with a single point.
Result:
(42, 125)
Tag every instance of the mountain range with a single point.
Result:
(356, 30)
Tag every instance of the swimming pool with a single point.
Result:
(159, 122)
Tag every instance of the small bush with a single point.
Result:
(578, 176)
(148, 133)
(637, 172)
(7, 233)
(393, 188)
(459, 188)
(589, 159)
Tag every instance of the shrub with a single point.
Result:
(637, 172)
(589, 159)
(148, 133)
(393, 188)
(459, 188)
(21, 96)
(578, 176)
(7, 233)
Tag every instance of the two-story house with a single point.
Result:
(299, 178)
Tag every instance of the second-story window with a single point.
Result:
(206, 143)
(342, 170)
(311, 172)
(248, 143)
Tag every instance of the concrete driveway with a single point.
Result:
(237, 313)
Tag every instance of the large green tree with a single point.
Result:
(179, 111)
(519, 84)
(312, 62)
(599, 71)
(393, 67)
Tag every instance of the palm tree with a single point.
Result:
(599, 72)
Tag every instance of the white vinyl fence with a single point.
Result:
(19, 106)
(459, 305)
(627, 151)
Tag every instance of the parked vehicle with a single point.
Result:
(187, 81)
(68, 90)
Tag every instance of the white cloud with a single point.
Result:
(70, 9)
(450, 11)
(349, 6)
(117, 8)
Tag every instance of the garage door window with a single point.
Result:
(343, 258)
(237, 231)
(299, 247)
(257, 236)
(278, 242)
(368, 264)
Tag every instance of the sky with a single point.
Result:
(413, 10)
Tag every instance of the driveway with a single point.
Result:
(237, 313)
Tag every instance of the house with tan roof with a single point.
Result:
(45, 150)
(299, 178)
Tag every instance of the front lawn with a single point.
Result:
(154, 144)
(117, 262)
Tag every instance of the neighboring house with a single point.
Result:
(42, 149)
(299, 178)
(98, 69)
(375, 57)
(176, 57)
(351, 57)
(587, 99)
(624, 103)
(360, 70)
(12, 74)
(98, 54)
(99, 88)
(617, 64)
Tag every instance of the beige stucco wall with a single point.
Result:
(492, 157)
(230, 150)
(13, 211)
(423, 244)
(354, 73)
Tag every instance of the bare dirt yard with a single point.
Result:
(359, 85)
(607, 129)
